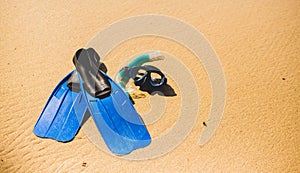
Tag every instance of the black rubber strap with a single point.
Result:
(87, 63)
(74, 83)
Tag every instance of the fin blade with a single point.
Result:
(118, 122)
(73, 120)
(59, 119)
(50, 111)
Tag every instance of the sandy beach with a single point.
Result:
(257, 43)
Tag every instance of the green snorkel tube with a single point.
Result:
(123, 75)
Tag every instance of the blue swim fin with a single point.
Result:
(120, 125)
(63, 114)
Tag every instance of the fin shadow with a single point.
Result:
(87, 115)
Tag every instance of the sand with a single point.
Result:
(258, 46)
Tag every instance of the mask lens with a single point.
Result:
(157, 79)
(140, 73)
(137, 73)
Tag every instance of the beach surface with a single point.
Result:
(258, 45)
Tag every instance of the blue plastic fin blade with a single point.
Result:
(59, 120)
(118, 122)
